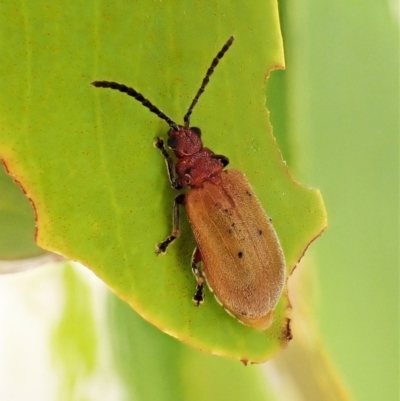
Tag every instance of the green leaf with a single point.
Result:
(84, 156)
(154, 366)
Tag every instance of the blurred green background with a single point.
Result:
(342, 87)
(335, 112)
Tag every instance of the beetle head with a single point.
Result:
(185, 141)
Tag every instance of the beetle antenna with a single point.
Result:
(139, 97)
(206, 79)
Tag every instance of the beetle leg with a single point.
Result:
(223, 159)
(198, 298)
(159, 144)
(176, 232)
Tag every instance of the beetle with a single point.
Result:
(238, 252)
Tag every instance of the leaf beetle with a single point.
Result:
(238, 252)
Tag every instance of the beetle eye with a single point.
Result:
(172, 142)
(196, 131)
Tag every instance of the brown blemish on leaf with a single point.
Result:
(286, 334)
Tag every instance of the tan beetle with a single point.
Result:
(242, 260)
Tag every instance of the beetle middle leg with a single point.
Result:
(176, 232)
(198, 297)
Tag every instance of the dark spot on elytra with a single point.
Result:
(248, 193)
(230, 231)
(240, 255)
(233, 225)
(259, 232)
(188, 170)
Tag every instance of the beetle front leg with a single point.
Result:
(176, 232)
(198, 298)
(159, 144)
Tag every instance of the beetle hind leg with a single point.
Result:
(198, 297)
